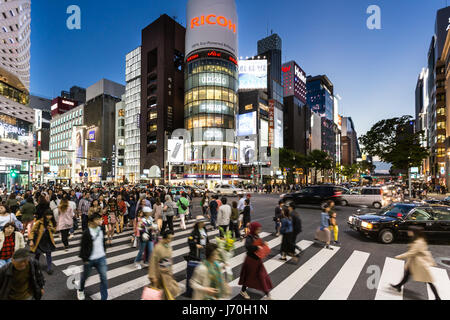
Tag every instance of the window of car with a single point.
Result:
(307, 191)
(355, 191)
(441, 214)
(394, 210)
(420, 215)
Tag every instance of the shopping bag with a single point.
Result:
(151, 293)
(263, 250)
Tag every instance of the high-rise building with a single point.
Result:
(349, 139)
(321, 100)
(75, 93)
(118, 154)
(211, 74)
(162, 89)
(100, 126)
(16, 118)
(132, 116)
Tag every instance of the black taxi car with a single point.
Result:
(393, 221)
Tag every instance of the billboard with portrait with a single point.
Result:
(78, 145)
(176, 150)
(246, 124)
(247, 152)
(252, 74)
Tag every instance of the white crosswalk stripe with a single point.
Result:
(442, 284)
(342, 284)
(392, 274)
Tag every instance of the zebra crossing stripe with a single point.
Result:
(140, 282)
(392, 273)
(295, 282)
(270, 266)
(441, 282)
(342, 284)
(124, 257)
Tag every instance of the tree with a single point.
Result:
(393, 142)
(365, 166)
(348, 171)
(319, 160)
(291, 160)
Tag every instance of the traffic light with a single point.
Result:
(13, 173)
(104, 159)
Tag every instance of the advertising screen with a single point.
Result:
(247, 152)
(211, 24)
(264, 134)
(252, 74)
(278, 128)
(176, 150)
(16, 131)
(78, 145)
(246, 124)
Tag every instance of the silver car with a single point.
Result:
(365, 196)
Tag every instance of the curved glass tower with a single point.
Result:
(211, 87)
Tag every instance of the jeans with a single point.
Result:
(102, 269)
(234, 227)
(213, 219)
(4, 262)
(84, 222)
(65, 237)
(48, 256)
(146, 246)
(168, 222)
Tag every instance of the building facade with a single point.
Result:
(162, 88)
(211, 90)
(349, 139)
(118, 155)
(16, 118)
(132, 116)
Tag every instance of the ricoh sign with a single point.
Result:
(212, 24)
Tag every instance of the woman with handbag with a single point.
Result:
(253, 273)
(42, 241)
(112, 212)
(157, 213)
(160, 270)
(323, 233)
(65, 221)
(146, 228)
(208, 281)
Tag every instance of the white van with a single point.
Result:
(367, 196)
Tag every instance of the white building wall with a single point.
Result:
(132, 114)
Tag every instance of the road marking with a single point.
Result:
(140, 282)
(342, 284)
(392, 273)
(270, 266)
(295, 282)
(441, 282)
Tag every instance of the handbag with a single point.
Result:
(263, 251)
(151, 293)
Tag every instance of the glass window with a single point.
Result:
(201, 94)
(420, 215)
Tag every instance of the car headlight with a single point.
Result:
(367, 225)
(282, 196)
(350, 219)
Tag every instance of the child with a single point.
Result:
(334, 227)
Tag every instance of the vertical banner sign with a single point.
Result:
(113, 161)
(271, 121)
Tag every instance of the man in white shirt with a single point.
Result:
(93, 255)
(223, 215)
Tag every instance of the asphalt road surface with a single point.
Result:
(358, 269)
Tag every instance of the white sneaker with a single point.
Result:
(245, 295)
(80, 295)
(266, 297)
(145, 265)
(138, 266)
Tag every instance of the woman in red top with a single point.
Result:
(253, 273)
(10, 241)
(122, 206)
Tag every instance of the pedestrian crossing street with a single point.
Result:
(345, 272)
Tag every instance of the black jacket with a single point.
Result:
(193, 241)
(296, 222)
(37, 280)
(251, 249)
(87, 245)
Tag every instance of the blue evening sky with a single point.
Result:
(374, 71)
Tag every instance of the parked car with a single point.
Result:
(393, 221)
(315, 195)
(196, 191)
(227, 189)
(174, 189)
(366, 196)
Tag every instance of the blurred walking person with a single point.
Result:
(65, 221)
(253, 274)
(418, 261)
(323, 233)
(287, 231)
(42, 241)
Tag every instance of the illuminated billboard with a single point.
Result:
(16, 131)
(212, 24)
(176, 150)
(247, 152)
(246, 124)
(78, 145)
(252, 74)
